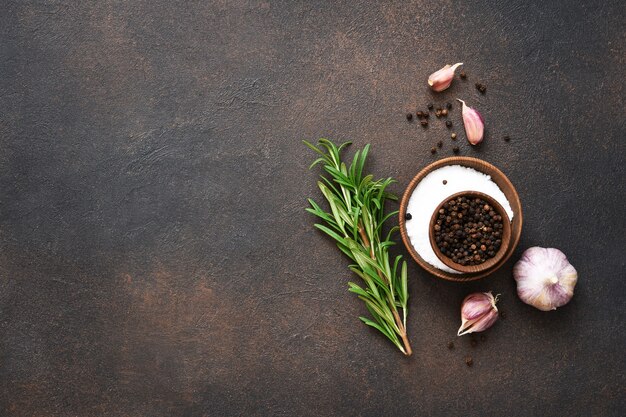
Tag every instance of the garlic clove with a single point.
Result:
(473, 123)
(441, 79)
(478, 325)
(475, 305)
(545, 278)
(478, 313)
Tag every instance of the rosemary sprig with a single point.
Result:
(355, 222)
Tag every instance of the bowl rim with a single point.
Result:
(506, 233)
(485, 168)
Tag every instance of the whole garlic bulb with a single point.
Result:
(545, 278)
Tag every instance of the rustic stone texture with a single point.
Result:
(156, 259)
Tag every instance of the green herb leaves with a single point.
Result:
(355, 222)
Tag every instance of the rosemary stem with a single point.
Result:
(355, 219)
(396, 316)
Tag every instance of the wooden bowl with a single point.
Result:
(505, 238)
(496, 176)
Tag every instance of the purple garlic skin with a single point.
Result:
(478, 313)
(545, 278)
(440, 80)
(473, 123)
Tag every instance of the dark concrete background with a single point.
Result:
(156, 259)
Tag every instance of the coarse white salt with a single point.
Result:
(431, 191)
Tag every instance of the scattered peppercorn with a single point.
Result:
(439, 144)
(448, 124)
(444, 112)
(469, 361)
(453, 136)
(455, 149)
(433, 150)
(426, 115)
(507, 138)
(445, 182)
(502, 315)
(449, 105)
(430, 106)
(450, 345)
(420, 114)
(481, 87)
(409, 116)
(408, 216)
(424, 123)
(467, 226)
(463, 75)
(438, 112)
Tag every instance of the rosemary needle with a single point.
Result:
(355, 222)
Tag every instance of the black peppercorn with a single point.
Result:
(481, 87)
(464, 231)
(419, 114)
(430, 106)
(424, 123)
(455, 149)
(439, 144)
(433, 150)
(408, 216)
(507, 138)
(409, 116)
(448, 124)
(445, 182)
(463, 75)
(469, 361)
(450, 345)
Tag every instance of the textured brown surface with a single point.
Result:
(156, 259)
